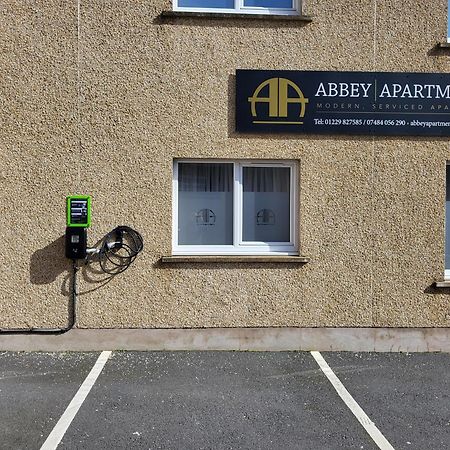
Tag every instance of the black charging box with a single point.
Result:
(76, 243)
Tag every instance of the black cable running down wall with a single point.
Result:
(54, 331)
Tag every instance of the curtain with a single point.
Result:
(266, 179)
(205, 177)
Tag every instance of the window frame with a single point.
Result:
(446, 238)
(448, 21)
(239, 246)
(239, 8)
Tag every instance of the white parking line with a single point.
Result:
(64, 422)
(362, 417)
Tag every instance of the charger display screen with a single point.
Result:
(78, 211)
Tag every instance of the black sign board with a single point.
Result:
(375, 103)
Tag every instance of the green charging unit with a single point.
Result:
(78, 210)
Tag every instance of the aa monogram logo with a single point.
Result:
(278, 101)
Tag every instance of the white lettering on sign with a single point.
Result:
(343, 89)
(415, 91)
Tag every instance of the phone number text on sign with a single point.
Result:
(367, 122)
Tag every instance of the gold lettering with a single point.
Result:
(272, 99)
(284, 100)
(278, 98)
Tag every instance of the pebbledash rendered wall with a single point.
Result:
(99, 97)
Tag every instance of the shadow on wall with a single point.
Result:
(94, 275)
(49, 262)
(433, 289)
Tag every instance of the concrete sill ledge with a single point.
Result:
(442, 45)
(443, 284)
(218, 15)
(234, 259)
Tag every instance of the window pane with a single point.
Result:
(266, 204)
(448, 21)
(205, 204)
(269, 3)
(206, 4)
(447, 220)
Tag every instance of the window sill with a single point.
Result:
(234, 259)
(442, 284)
(443, 45)
(218, 15)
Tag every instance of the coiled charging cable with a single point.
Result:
(118, 249)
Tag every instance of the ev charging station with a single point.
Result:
(118, 248)
(78, 221)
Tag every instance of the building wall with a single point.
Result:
(101, 100)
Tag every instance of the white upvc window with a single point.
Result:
(448, 21)
(223, 207)
(447, 223)
(287, 7)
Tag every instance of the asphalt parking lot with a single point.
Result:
(223, 400)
